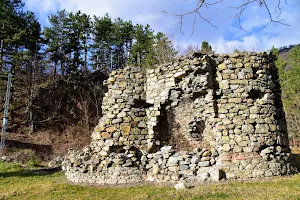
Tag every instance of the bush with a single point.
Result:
(33, 162)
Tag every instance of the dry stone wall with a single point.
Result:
(199, 118)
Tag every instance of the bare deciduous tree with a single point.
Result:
(191, 48)
(197, 12)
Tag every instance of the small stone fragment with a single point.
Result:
(180, 186)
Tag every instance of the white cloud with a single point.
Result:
(247, 43)
(138, 11)
(41, 6)
(254, 22)
(260, 38)
(226, 38)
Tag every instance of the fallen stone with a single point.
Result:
(203, 176)
(180, 186)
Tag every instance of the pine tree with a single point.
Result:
(33, 45)
(85, 37)
(164, 49)
(142, 52)
(56, 37)
(206, 48)
(101, 47)
(12, 31)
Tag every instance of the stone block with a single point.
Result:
(111, 129)
(117, 121)
(179, 75)
(222, 67)
(224, 84)
(106, 135)
(262, 128)
(204, 164)
(125, 128)
(248, 128)
(226, 148)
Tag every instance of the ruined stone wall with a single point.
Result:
(199, 118)
(251, 132)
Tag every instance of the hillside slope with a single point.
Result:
(64, 112)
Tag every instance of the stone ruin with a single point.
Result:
(202, 117)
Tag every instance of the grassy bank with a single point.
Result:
(17, 183)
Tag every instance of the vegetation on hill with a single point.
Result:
(288, 64)
(205, 48)
(58, 71)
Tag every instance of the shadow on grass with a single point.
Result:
(41, 150)
(28, 173)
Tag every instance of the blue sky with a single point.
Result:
(225, 38)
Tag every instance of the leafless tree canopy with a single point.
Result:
(274, 13)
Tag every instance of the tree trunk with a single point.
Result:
(85, 58)
(62, 69)
(139, 59)
(32, 74)
(12, 90)
(55, 70)
(1, 56)
(1, 52)
(86, 116)
(85, 109)
(97, 62)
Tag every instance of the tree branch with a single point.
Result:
(205, 4)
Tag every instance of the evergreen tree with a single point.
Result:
(102, 43)
(33, 46)
(123, 33)
(142, 52)
(164, 49)
(85, 37)
(56, 37)
(12, 29)
(206, 48)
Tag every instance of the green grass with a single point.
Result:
(5, 167)
(16, 183)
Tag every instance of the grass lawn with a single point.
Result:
(16, 183)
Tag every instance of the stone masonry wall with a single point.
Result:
(199, 118)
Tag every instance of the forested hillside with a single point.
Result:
(288, 63)
(58, 71)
